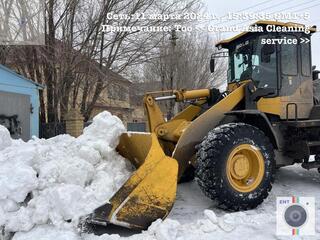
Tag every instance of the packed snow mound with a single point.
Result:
(56, 181)
(46, 185)
(5, 139)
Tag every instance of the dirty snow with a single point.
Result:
(68, 177)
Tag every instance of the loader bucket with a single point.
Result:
(149, 193)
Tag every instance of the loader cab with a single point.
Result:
(276, 61)
(249, 59)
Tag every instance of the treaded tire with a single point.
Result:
(212, 158)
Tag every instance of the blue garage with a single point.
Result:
(19, 104)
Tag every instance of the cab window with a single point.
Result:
(289, 57)
(305, 59)
(252, 60)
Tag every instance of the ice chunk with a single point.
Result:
(16, 181)
(211, 216)
(164, 230)
(9, 205)
(206, 225)
(20, 220)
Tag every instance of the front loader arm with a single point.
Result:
(199, 128)
(150, 192)
(172, 129)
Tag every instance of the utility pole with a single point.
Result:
(173, 38)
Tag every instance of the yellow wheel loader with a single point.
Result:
(234, 140)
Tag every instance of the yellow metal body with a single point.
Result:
(302, 98)
(150, 192)
(245, 168)
(183, 95)
(270, 105)
(198, 129)
(161, 156)
(172, 130)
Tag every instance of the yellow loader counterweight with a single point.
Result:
(232, 141)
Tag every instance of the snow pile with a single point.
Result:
(56, 181)
(46, 185)
(5, 139)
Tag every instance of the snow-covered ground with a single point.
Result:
(69, 177)
(259, 223)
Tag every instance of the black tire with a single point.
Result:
(212, 156)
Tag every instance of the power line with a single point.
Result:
(241, 10)
(256, 5)
(277, 5)
(291, 7)
(267, 8)
(298, 5)
(308, 7)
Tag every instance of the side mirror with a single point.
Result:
(315, 74)
(212, 65)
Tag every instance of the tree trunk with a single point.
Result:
(49, 65)
(99, 88)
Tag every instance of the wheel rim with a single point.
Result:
(245, 168)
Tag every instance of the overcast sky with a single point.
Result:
(221, 8)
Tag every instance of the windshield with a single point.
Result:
(246, 61)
